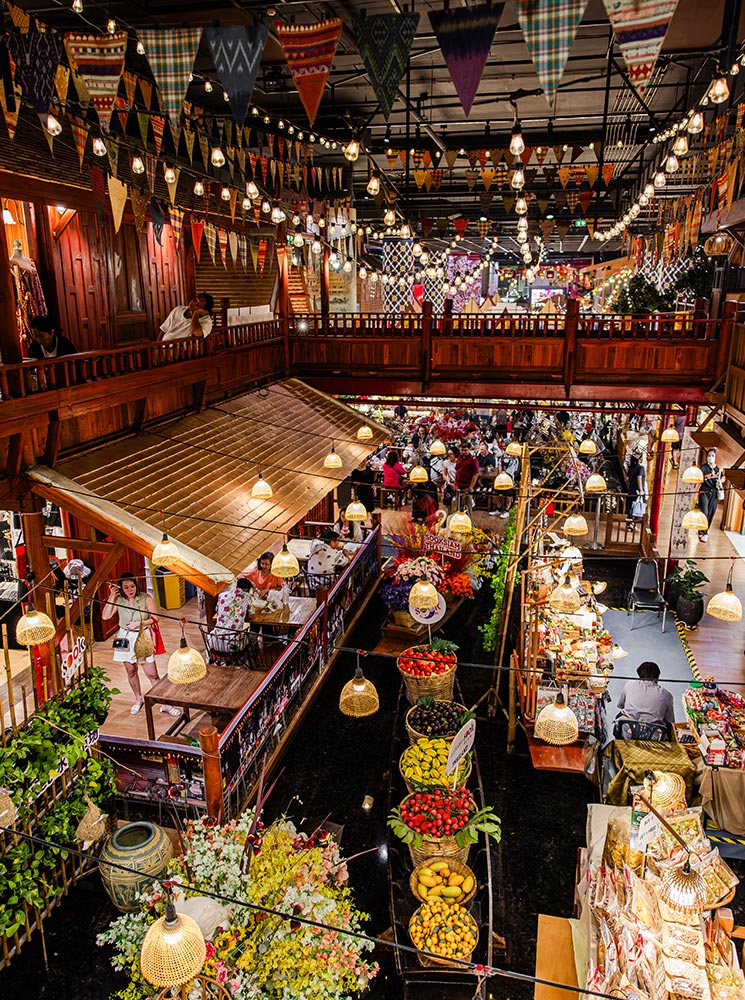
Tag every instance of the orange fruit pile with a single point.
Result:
(442, 929)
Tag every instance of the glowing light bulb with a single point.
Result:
(99, 147)
(217, 157)
(251, 190)
(138, 167)
(198, 189)
(517, 143)
(208, 86)
(77, 6)
(225, 194)
(53, 126)
(169, 175)
(111, 26)
(373, 185)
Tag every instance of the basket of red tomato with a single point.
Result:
(429, 669)
(442, 823)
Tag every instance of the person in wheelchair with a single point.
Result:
(645, 708)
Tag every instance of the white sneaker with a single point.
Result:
(493, 513)
(170, 710)
(704, 537)
(504, 515)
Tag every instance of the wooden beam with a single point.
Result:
(88, 592)
(140, 411)
(66, 542)
(10, 344)
(15, 454)
(52, 443)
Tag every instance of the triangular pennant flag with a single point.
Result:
(146, 89)
(559, 152)
(211, 235)
(542, 204)
(99, 61)
(151, 165)
(483, 227)
(233, 244)
(243, 245)
(437, 178)
(471, 175)
(451, 155)
(640, 27)
(158, 216)
(117, 197)
(263, 247)
(572, 200)
(562, 228)
(197, 228)
(419, 178)
(140, 204)
(189, 136)
(496, 156)
(80, 134)
(442, 225)
(36, 55)
(577, 151)
(158, 123)
(130, 85)
(472, 156)
(549, 30)
(383, 42)
(233, 199)
(171, 53)
(309, 50)
(263, 163)
(173, 185)
(428, 179)
(608, 169)
(254, 254)
(464, 35)
(487, 176)
(176, 218)
(97, 186)
(61, 84)
(236, 52)
(584, 199)
(592, 171)
(564, 174)
(222, 239)
(20, 18)
(547, 227)
(508, 200)
(112, 149)
(204, 148)
(143, 120)
(426, 225)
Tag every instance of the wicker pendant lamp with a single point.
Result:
(572, 553)
(618, 651)
(726, 606)
(557, 723)
(667, 790)
(514, 448)
(695, 520)
(166, 552)
(503, 481)
(423, 596)
(683, 889)
(285, 564)
(587, 447)
(364, 433)
(173, 950)
(670, 436)
(332, 460)
(595, 483)
(418, 474)
(355, 511)
(186, 665)
(460, 523)
(34, 627)
(575, 525)
(564, 599)
(261, 490)
(692, 475)
(358, 697)
(438, 448)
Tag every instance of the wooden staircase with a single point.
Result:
(298, 292)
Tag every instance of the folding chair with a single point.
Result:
(645, 591)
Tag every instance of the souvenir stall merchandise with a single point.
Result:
(638, 945)
(717, 719)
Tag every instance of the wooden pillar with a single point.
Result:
(45, 260)
(210, 604)
(426, 345)
(37, 559)
(209, 744)
(10, 344)
(325, 284)
(224, 306)
(658, 477)
(570, 344)
(726, 328)
(283, 301)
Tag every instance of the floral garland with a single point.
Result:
(258, 956)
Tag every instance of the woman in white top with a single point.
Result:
(327, 554)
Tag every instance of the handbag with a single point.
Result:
(122, 643)
(720, 493)
(448, 494)
(157, 639)
(638, 508)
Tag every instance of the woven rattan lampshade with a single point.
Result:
(285, 564)
(670, 436)
(173, 950)
(719, 243)
(418, 474)
(166, 552)
(358, 697)
(726, 605)
(503, 481)
(557, 723)
(618, 651)
(667, 791)
(587, 447)
(332, 460)
(423, 596)
(356, 511)
(34, 627)
(364, 433)
(186, 665)
(437, 448)
(514, 448)
(692, 475)
(684, 889)
(564, 599)
(595, 483)
(460, 524)
(572, 553)
(695, 520)
(575, 525)
(261, 490)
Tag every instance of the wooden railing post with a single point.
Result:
(426, 345)
(209, 744)
(570, 343)
(224, 306)
(283, 302)
(726, 326)
(325, 288)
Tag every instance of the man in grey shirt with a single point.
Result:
(644, 700)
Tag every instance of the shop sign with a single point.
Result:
(649, 830)
(446, 546)
(461, 745)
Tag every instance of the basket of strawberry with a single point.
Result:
(442, 823)
(429, 669)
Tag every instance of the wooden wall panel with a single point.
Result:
(243, 288)
(81, 256)
(166, 281)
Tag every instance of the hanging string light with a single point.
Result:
(423, 596)
(575, 525)
(670, 435)
(437, 448)
(165, 552)
(564, 598)
(595, 483)
(332, 460)
(173, 950)
(418, 474)
(695, 519)
(364, 433)
(587, 447)
(355, 510)
(359, 697)
(217, 157)
(460, 524)
(34, 627)
(693, 475)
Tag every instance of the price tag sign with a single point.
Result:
(649, 830)
(429, 616)
(461, 745)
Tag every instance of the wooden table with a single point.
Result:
(545, 757)
(222, 692)
(554, 958)
(295, 616)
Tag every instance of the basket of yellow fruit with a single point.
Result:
(443, 878)
(424, 763)
(442, 932)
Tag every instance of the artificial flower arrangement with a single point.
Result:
(404, 574)
(252, 953)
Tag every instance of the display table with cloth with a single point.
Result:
(723, 798)
(629, 759)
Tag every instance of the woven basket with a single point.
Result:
(92, 826)
(404, 619)
(8, 811)
(415, 735)
(439, 686)
(428, 960)
(144, 646)
(455, 866)
(463, 780)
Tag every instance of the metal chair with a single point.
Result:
(315, 580)
(228, 647)
(635, 729)
(645, 591)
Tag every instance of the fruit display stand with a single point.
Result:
(429, 669)
(423, 765)
(434, 717)
(446, 877)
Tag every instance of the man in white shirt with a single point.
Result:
(194, 320)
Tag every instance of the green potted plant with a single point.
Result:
(673, 582)
(690, 607)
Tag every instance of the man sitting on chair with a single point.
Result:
(645, 700)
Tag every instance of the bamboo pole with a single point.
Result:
(9, 681)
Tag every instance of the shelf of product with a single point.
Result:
(717, 720)
(573, 650)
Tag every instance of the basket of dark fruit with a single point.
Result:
(430, 717)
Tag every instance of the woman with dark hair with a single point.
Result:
(261, 575)
(47, 341)
(394, 475)
(327, 553)
(135, 608)
(637, 482)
